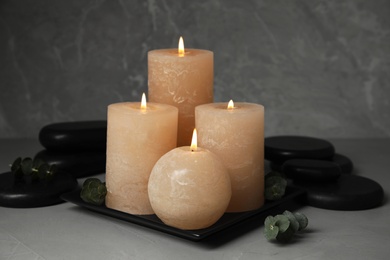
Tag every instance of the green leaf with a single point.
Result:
(282, 227)
(94, 191)
(16, 164)
(274, 192)
(34, 169)
(270, 229)
(270, 220)
(91, 183)
(16, 168)
(26, 166)
(51, 172)
(286, 236)
(37, 162)
(282, 222)
(42, 171)
(293, 221)
(274, 186)
(302, 220)
(271, 181)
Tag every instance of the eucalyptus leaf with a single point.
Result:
(51, 172)
(274, 192)
(270, 229)
(42, 170)
(293, 221)
(274, 186)
(282, 222)
(302, 220)
(282, 227)
(275, 180)
(94, 191)
(16, 164)
(26, 166)
(29, 169)
(37, 162)
(285, 236)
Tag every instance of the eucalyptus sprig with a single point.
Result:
(37, 169)
(94, 191)
(274, 186)
(283, 227)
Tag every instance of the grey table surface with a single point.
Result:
(66, 231)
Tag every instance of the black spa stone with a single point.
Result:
(346, 165)
(30, 194)
(344, 162)
(349, 192)
(311, 170)
(279, 149)
(78, 164)
(275, 166)
(75, 136)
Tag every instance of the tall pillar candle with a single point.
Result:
(136, 139)
(184, 80)
(237, 136)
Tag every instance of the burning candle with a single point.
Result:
(182, 78)
(138, 134)
(235, 132)
(189, 187)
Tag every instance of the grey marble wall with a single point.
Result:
(321, 68)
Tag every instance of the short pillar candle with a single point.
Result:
(136, 139)
(236, 135)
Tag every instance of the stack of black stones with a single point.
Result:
(78, 149)
(327, 177)
(75, 147)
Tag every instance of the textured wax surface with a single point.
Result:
(182, 81)
(135, 141)
(236, 136)
(320, 68)
(189, 190)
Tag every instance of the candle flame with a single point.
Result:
(230, 104)
(194, 142)
(180, 48)
(143, 102)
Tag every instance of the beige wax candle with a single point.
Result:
(236, 135)
(182, 80)
(189, 188)
(136, 139)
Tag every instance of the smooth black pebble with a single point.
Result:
(311, 170)
(344, 162)
(75, 136)
(22, 194)
(279, 149)
(346, 165)
(275, 166)
(349, 192)
(79, 164)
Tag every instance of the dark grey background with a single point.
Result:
(320, 68)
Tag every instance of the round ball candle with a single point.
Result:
(189, 188)
(183, 79)
(136, 138)
(236, 135)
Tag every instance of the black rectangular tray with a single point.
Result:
(153, 222)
